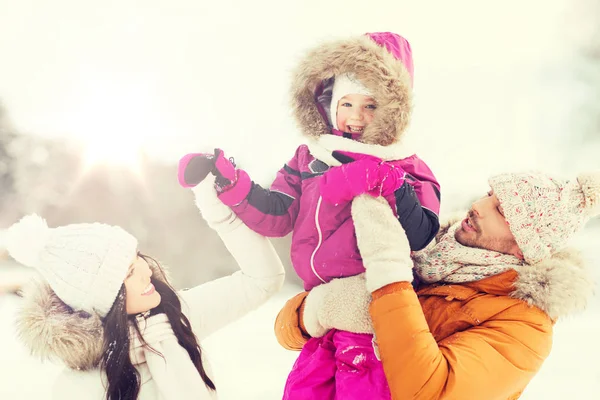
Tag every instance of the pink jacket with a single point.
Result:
(324, 242)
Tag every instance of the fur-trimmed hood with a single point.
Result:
(53, 331)
(560, 285)
(380, 61)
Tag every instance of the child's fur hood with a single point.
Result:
(385, 76)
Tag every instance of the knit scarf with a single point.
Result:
(450, 262)
(173, 372)
(323, 147)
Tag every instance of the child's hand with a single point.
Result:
(366, 174)
(194, 167)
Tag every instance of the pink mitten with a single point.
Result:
(224, 171)
(391, 178)
(194, 167)
(366, 174)
(233, 185)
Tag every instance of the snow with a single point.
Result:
(248, 363)
(13, 275)
(359, 359)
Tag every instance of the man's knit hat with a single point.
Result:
(543, 212)
(85, 264)
(343, 85)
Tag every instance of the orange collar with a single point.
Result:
(501, 284)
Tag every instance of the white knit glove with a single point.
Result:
(340, 304)
(382, 242)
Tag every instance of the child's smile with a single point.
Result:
(355, 112)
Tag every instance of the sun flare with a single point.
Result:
(111, 121)
(124, 152)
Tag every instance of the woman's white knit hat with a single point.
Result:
(85, 264)
(343, 85)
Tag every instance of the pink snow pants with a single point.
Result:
(338, 366)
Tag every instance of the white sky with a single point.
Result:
(188, 75)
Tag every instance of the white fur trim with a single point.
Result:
(382, 242)
(322, 154)
(322, 147)
(52, 331)
(341, 304)
(560, 285)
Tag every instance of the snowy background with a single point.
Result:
(99, 100)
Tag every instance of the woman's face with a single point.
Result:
(140, 294)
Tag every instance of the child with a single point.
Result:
(110, 314)
(352, 99)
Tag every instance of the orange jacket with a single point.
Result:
(453, 341)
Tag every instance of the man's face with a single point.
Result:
(486, 228)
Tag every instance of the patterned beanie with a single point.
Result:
(85, 264)
(343, 85)
(543, 212)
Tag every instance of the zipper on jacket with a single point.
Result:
(312, 257)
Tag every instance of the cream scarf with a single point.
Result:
(449, 261)
(322, 147)
(174, 374)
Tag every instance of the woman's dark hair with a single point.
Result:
(123, 378)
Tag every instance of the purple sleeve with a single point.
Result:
(272, 212)
(426, 186)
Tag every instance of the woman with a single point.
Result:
(109, 313)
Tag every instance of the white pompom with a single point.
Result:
(590, 185)
(27, 239)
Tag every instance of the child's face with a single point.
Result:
(355, 112)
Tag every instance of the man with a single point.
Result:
(479, 323)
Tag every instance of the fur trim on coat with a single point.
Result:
(560, 286)
(53, 331)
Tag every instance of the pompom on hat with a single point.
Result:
(85, 264)
(544, 212)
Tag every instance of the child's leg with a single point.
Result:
(359, 373)
(313, 374)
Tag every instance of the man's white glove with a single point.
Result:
(382, 242)
(340, 304)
